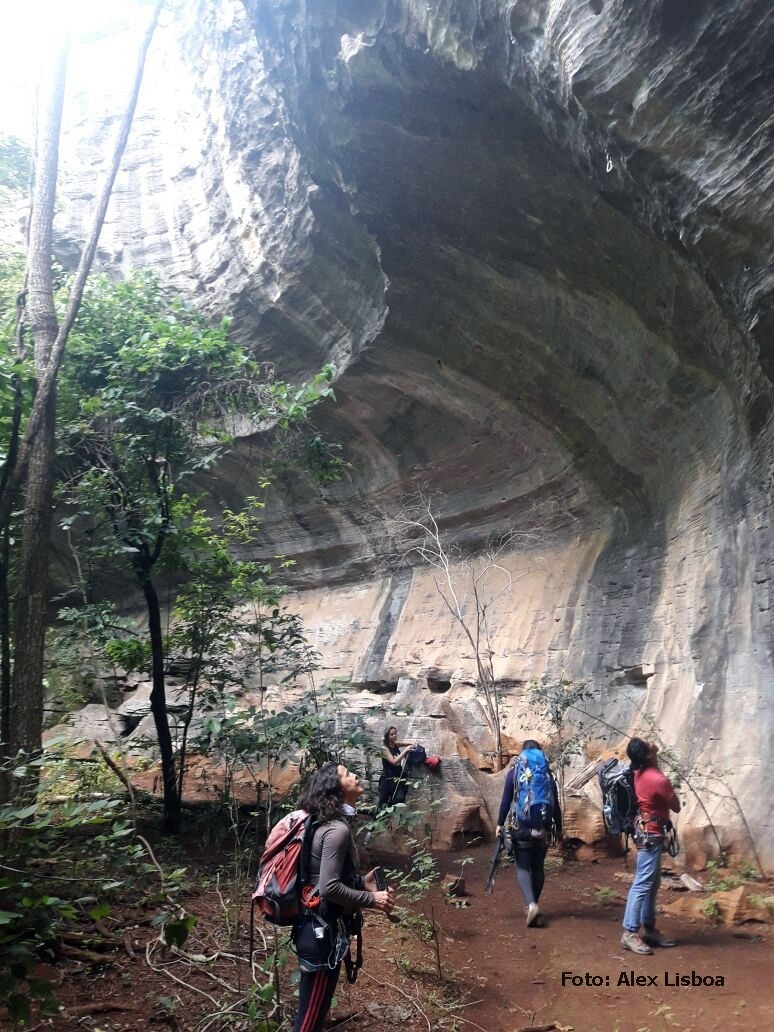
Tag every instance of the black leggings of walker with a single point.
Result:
(315, 993)
(319, 948)
(530, 869)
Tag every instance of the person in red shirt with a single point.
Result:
(655, 799)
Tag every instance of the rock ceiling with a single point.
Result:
(535, 236)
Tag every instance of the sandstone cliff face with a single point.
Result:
(535, 236)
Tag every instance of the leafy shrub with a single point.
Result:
(605, 894)
(710, 908)
(47, 879)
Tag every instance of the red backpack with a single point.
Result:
(283, 868)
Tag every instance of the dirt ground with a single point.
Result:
(519, 970)
(497, 975)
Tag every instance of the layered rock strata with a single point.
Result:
(535, 236)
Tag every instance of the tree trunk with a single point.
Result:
(47, 378)
(187, 722)
(5, 643)
(5, 535)
(158, 704)
(34, 464)
(25, 712)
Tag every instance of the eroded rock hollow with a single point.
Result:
(535, 237)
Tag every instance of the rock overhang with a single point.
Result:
(539, 258)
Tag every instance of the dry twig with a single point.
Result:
(389, 985)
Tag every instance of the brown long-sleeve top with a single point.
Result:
(333, 867)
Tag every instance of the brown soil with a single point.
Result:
(498, 975)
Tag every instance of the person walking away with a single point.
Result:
(393, 786)
(655, 799)
(334, 895)
(530, 808)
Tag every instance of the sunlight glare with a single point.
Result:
(32, 31)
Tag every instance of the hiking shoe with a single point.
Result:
(652, 937)
(632, 941)
(533, 913)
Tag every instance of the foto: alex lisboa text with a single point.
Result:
(630, 978)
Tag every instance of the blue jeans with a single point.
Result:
(641, 904)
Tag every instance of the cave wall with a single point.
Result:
(535, 237)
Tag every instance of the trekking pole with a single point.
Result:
(498, 850)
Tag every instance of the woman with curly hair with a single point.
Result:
(321, 935)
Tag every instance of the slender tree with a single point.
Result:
(151, 398)
(470, 588)
(24, 717)
(29, 469)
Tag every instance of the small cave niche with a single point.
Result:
(437, 685)
(469, 831)
(377, 687)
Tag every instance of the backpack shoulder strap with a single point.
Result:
(311, 827)
(515, 798)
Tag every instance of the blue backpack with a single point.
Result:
(532, 785)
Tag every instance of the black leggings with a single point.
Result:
(530, 870)
(392, 790)
(318, 945)
(315, 993)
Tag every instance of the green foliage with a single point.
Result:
(63, 778)
(710, 908)
(47, 880)
(415, 882)
(15, 163)
(758, 900)
(13, 369)
(260, 740)
(150, 399)
(152, 396)
(230, 614)
(559, 704)
(722, 878)
(747, 870)
(77, 649)
(605, 894)
(554, 700)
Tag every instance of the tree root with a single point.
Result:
(81, 1009)
(87, 956)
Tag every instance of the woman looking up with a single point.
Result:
(321, 934)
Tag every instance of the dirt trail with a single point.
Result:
(506, 976)
(516, 972)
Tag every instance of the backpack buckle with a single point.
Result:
(310, 897)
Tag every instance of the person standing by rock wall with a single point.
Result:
(655, 799)
(392, 783)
